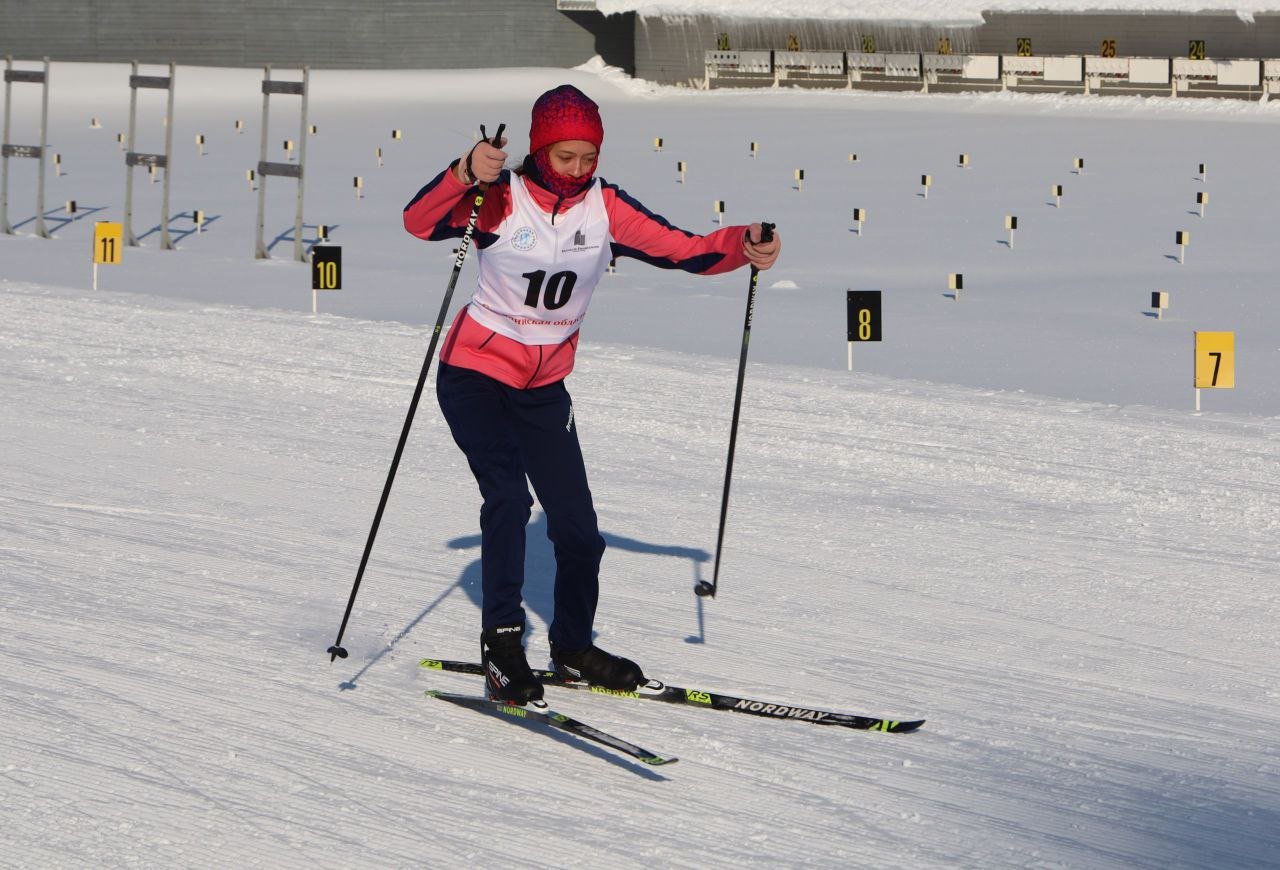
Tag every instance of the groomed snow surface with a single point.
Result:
(1007, 519)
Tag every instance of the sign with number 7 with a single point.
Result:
(1215, 366)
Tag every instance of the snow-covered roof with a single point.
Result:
(936, 11)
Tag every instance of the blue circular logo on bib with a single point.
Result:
(524, 238)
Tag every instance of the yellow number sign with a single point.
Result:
(1215, 360)
(107, 247)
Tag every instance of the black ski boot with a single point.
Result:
(506, 670)
(598, 668)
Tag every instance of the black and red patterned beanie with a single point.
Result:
(562, 114)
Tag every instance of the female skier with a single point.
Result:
(545, 235)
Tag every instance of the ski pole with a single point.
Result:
(703, 588)
(336, 651)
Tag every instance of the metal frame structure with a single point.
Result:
(134, 158)
(8, 150)
(289, 170)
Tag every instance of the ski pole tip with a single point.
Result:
(336, 652)
(703, 589)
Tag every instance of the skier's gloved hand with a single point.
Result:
(483, 162)
(761, 254)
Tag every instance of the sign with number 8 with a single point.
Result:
(864, 315)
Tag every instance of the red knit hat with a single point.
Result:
(564, 113)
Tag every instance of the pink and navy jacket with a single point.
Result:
(441, 211)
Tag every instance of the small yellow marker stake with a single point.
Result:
(358, 184)
(926, 181)
(755, 148)
(859, 215)
(964, 161)
(239, 127)
(1011, 224)
(198, 217)
(1078, 164)
(718, 207)
(200, 143)
(657, 143)
(378, 153)
(107, 246)
(955, 282)
(249, 176)
(397, 134)
(680, 167)
(1202, 199)
(1215, 362)
(1182, 238)
(1056, 193)
(288, 149)
(799, 176)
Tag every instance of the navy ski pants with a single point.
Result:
(509, 435)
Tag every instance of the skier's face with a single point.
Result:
(575, 158)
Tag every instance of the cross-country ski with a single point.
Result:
(538, 711)
(654, 690)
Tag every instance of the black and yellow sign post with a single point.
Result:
(859, 215)
(1215, 362)
(108, 245)
(1160, 302)
(1011, 224)
(863, 317)
(326, 270)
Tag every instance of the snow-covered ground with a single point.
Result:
(1007, 520)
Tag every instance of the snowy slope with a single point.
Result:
(1072, 576)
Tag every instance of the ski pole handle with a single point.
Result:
(484, 137)
(766, 233)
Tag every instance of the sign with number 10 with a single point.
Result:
(326, 267)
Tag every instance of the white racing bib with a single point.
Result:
(536, 281)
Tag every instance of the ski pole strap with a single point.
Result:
(484, 137)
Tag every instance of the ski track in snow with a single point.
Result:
(1080, 598)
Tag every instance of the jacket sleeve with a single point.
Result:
(441, 209)
(643, 235)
